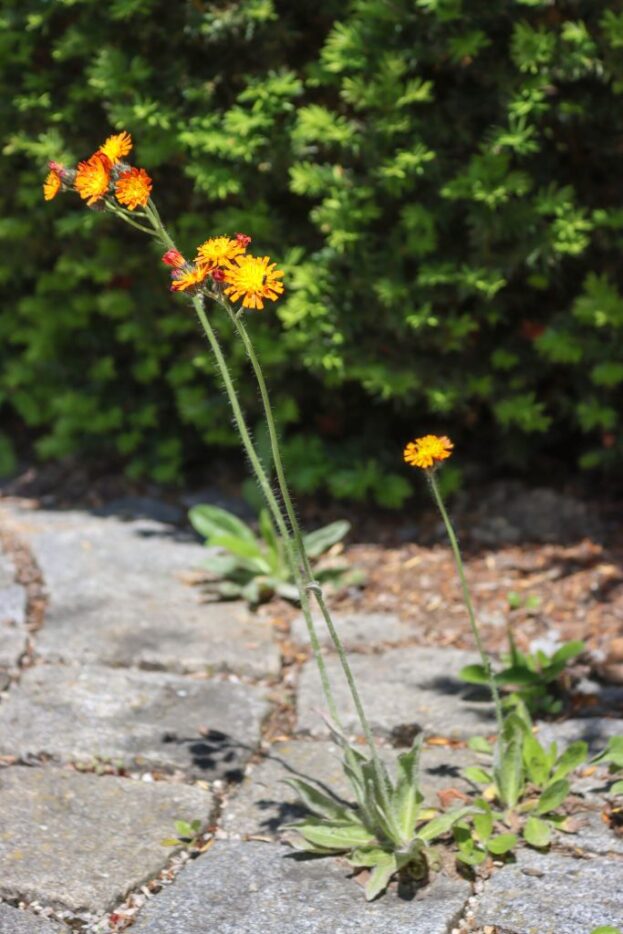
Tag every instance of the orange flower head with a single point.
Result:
(243, 239)
(173, 258)
(93, 178)
(191, 278)
(117, 146)
(253, 279)
(428, 451)
(52, 185)
(133, 188)
(215, 251)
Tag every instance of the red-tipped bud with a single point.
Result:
(243, 240)
(217, 274)
(56, 167)
(173, 258)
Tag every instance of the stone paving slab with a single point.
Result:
(545, 893)
(74, 713)
(81, 842)
(414, 685)
(14, 921)
(356, 630)
(593, 835)
(596, 731)
(238, 887)
(264, 803)
(117, 597)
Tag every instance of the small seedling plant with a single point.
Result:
(524, 786)
(612, 756)
(387, 831)
(534, 676)
(256, 567)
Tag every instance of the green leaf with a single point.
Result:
(483, 825)
(474, 674)
(606, 929)
(367, 856)
(616, 788)
(536, 760)
(613, 753)
(502, 843)
(537, 832)
(442, 824)
(336, 835)
(567, 651)
(171, 841)
(508, 770)
(316, 543)
(209, 520)
(552, 797)
(380, 876)
(573, 756)
(407, 797)
(479, 744)
(317, 802)
(220, 565)
(477, 775)
(519, 675)
(249, 553)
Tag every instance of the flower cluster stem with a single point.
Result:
(311, 584)
(458, 560)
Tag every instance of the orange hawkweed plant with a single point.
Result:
(385, 831)
(428, 453)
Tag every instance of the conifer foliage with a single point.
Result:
(440, 180)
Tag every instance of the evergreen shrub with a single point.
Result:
(440, 179)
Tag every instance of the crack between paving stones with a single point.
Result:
(28, 575)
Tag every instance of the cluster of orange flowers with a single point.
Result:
(104, 173)
(219, 259)
(224, 259)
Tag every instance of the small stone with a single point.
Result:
(103, 835)
(238, 887)
(134, 718)
(563, 896)
(416, 685)
(14, 921)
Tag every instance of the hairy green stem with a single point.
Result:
(269, 496)
(458, 560)
(311, 583)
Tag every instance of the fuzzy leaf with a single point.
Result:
(552, 797)
(380, 876)
(336, 835)
(479, 744)
(441, 824)
(407, 797)
(317, 802)
(483, 825)
(473, 674)
(316, 543)
(210, 520)
(536, 760)
(502, 843)
(248, 553)
(477, 775)
(567, 651)
(616, 788)
(220, 565)
(537, 832)
(573, 756)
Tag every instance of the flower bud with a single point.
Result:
(173, 258)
